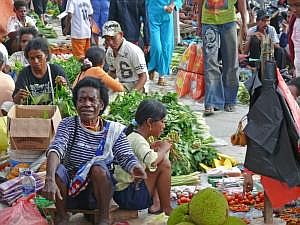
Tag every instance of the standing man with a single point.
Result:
(131, 15)
(126, 60)
(217, 23)
(79, 15)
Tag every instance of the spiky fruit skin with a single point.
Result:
(179, 214)
(185, 223)
(208, 207)
(232, 220)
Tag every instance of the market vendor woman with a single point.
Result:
(33, 85)
(78, 140)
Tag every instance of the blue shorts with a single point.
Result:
(135, 197)
(86, 198)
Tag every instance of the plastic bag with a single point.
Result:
(197, 89)
(23, 212)
(3, 134)
(183, 83)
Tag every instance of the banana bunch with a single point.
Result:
(223, 160)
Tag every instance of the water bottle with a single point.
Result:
(28, 183)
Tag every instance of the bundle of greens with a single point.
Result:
(46, 31)
(53, 9)
(243, 95)
(191, 145)
(63, 99)
(17, 67)
(71, 66)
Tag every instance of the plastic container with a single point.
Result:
(28, 183)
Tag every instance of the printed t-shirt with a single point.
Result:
(39, 88)
(80, 23)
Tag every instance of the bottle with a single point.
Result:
(28, 183)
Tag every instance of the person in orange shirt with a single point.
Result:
(93, 67)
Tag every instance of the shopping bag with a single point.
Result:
(197, 86)
(21, 213)
(239, 137)
(183, 83)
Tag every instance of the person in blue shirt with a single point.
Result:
(162, 36)
(131, 14)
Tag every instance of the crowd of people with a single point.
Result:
(138, 43)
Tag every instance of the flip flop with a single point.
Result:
(155, 212)
(162, 81)
(208, 111)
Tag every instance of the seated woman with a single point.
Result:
(78, 140)
(93, 67)
(26, 34)
(149, 117)
(36, 82)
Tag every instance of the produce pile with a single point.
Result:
(243, 95)
(207, 207)
(46, 30)
(52, 9)
(71, 67)
(177, 54)
(242, 203)
(191, 143)
(63, 99)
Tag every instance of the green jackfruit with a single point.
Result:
(185, 223)
(231, 220)
(179, 214)
(208, 207)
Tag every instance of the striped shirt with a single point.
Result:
(86, 143)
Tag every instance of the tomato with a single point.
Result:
(184, 199)
(236, 201)
(250, 197)
(178, 202)
(231, 202)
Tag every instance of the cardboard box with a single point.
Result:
(32, 126)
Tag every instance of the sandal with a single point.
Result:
(157, 212)
(208, 111)
(162, 81)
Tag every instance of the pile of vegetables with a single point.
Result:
(191, 144)
(243, 95)
(178, 51)
(63, 99)
(71, 67)
(53, 9)
(46, 31)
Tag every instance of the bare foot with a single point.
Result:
(168, 211)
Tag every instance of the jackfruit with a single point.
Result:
(179, 214)
(208, 207)
(185, 223)
(231, 220)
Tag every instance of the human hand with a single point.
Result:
(248, 183)
(161, 146)
(138, 173)
(21, 95)
(60, 80)
(51, 190)
(169, 8)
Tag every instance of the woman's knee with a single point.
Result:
(98, 171)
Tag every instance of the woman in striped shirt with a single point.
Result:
(78, 140)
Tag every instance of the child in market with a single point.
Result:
(132, 194)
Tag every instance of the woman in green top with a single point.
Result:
(133, 194)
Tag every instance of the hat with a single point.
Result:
(262, 14)
(295, 82)
(111, 28)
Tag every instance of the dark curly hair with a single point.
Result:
(94, 83)
(38, 44)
